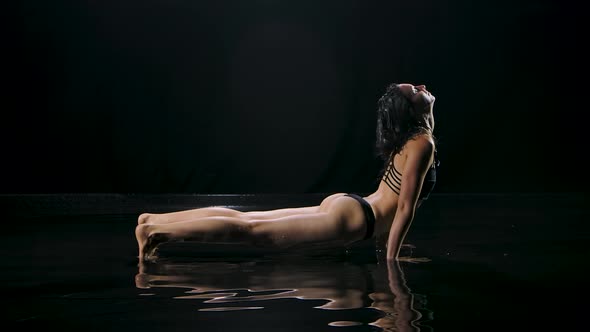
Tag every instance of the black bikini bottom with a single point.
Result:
(369, 215)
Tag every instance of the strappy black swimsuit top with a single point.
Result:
(393, 179)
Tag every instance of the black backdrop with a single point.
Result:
(170, 96)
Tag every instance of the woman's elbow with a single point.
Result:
(406, 209)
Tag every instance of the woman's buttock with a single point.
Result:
(348, 210)
(328, 202)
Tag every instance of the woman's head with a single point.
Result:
(403, 111)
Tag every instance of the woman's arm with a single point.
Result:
(420, 152)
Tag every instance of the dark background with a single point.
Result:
(207, 97)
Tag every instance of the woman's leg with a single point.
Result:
(209, 229)
(186, 215)
(338, 226)
(165, 218)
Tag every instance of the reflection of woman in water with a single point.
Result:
(248, 285)
(405, 123)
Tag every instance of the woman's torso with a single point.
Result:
(383, 201)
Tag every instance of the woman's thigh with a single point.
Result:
(342, 223)
(286, 212)
(280, 213)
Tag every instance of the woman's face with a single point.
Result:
(421, 98)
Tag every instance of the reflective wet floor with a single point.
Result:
(473, 263)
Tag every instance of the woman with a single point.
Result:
(405, 140)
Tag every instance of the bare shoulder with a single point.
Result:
(421, 144)
(419, 154)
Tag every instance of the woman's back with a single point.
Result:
(385, 199)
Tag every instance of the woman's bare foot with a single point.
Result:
(145, 218)
(147, 242)
(152, 218)
(141, 235)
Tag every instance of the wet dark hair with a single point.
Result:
(397, 122)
